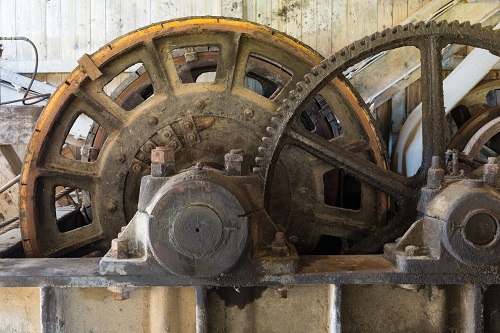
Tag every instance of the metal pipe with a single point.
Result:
(10, 184)
(201, 309)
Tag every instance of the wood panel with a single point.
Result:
(65, 29)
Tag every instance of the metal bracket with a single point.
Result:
(89, 67)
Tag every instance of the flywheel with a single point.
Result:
(430, 38)
(201, 86)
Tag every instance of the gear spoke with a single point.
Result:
(433, 114)
(358, 167)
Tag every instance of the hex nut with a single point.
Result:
(187, 125)
(119, 248)
(166, 135)
(191, 137)
(248, 113)
(172, 144)
(136, 167)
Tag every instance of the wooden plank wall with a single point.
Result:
(63, 30)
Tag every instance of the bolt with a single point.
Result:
(147, 148)
(279, 239)
(191, 137)
(166, 135)
(435, 175)
(281, 293)
(303, 190)
(119, 248)
(162, 162)
(490, 172)
(199, 166)
(200, 104)
(119, 293)
(120, 158)
(136, 167)
(411, 250)
(172, 145)
(152, 121)
(187, 125)
(293, 239)
(233, 163)
(248, 113)
(111, 206)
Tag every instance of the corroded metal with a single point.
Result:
(429, 38)
(161, 105)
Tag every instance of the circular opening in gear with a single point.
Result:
(480, 229)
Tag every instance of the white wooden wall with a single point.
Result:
(63, 30)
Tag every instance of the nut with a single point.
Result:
(148, 148)
(166, 135)
(136, 167)
(187, 125)
(172, 144)
(152, 121)
(248, 113)
(120, 158)
(200, 104)
(119, 248)
(191, 137)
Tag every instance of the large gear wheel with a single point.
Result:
(164, 104)
(429, 38)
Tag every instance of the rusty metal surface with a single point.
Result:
(429, 38)
(200, 121)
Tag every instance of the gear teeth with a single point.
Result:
(257, 170)
(276, 120)
(259, 160)
(271, 130)
(291, 95)
(263, 150)
(477, 26)
(332, 58)
(307, 78)
(315, 71)
(267, 140)
(299, 87)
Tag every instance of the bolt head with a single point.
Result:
(248, 113)
(119, 248)
(152, 121)
(187, 125)
(191, 137)
(303, 190)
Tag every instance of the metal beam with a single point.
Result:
(23, 81)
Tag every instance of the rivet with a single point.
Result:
(120, 158)
(152, 121)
